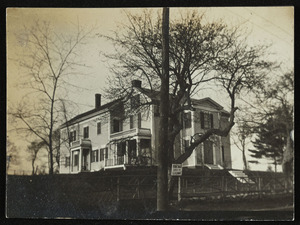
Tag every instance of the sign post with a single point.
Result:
(177, 171)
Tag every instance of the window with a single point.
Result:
(207, 120)
(86, 132)
(121, 148)
(208, 152)
(187, 120)
(117, 125)
(95, 156)
(135, 102)
(103, 153)
(98, 128)
(67, 162)
(186, 143)
(132, 148)
(131, 118)
(72, 135)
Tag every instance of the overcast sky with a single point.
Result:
(264, 24)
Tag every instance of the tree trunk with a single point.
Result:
(287, 162)
(244, 158)
(32, 164)
(162, 169)
(51, 157)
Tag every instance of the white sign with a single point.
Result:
(176, 170)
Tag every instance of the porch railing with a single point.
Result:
(120, 160)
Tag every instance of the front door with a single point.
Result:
(85, 160)
(208, 152)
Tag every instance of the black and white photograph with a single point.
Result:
(154, 113)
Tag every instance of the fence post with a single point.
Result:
(118, 189)
(285, 185)
(179, 189)
(223, 188)
(259, 187)
(138, 187)
(274, 185)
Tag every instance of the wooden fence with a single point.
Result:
(91, 189)
(226, 187)
(143, 187)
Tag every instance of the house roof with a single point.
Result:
(207, 99)
(155, 95)
(150, 93)
(90, 112)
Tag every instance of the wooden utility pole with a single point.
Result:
(162, 169)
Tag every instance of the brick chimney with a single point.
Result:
(97, 101)
(136, 83)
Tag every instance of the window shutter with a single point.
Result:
(97, 156)
(202, 119)
(99, 128)
(212, 120)
(131, 122)
(189, 119)
(139, 120)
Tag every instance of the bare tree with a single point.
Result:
(200, 54)
(49, 60)
(33, 149)
(12, 157)
(243, 135)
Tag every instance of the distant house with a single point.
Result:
(121, 134)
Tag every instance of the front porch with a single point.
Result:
(80, 156)
(132, 152)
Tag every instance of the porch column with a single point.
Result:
(79, 160)
(114, 155)
(202, 153)
(214, 154)
(126, 153)
(71, 161)
(138, 144)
